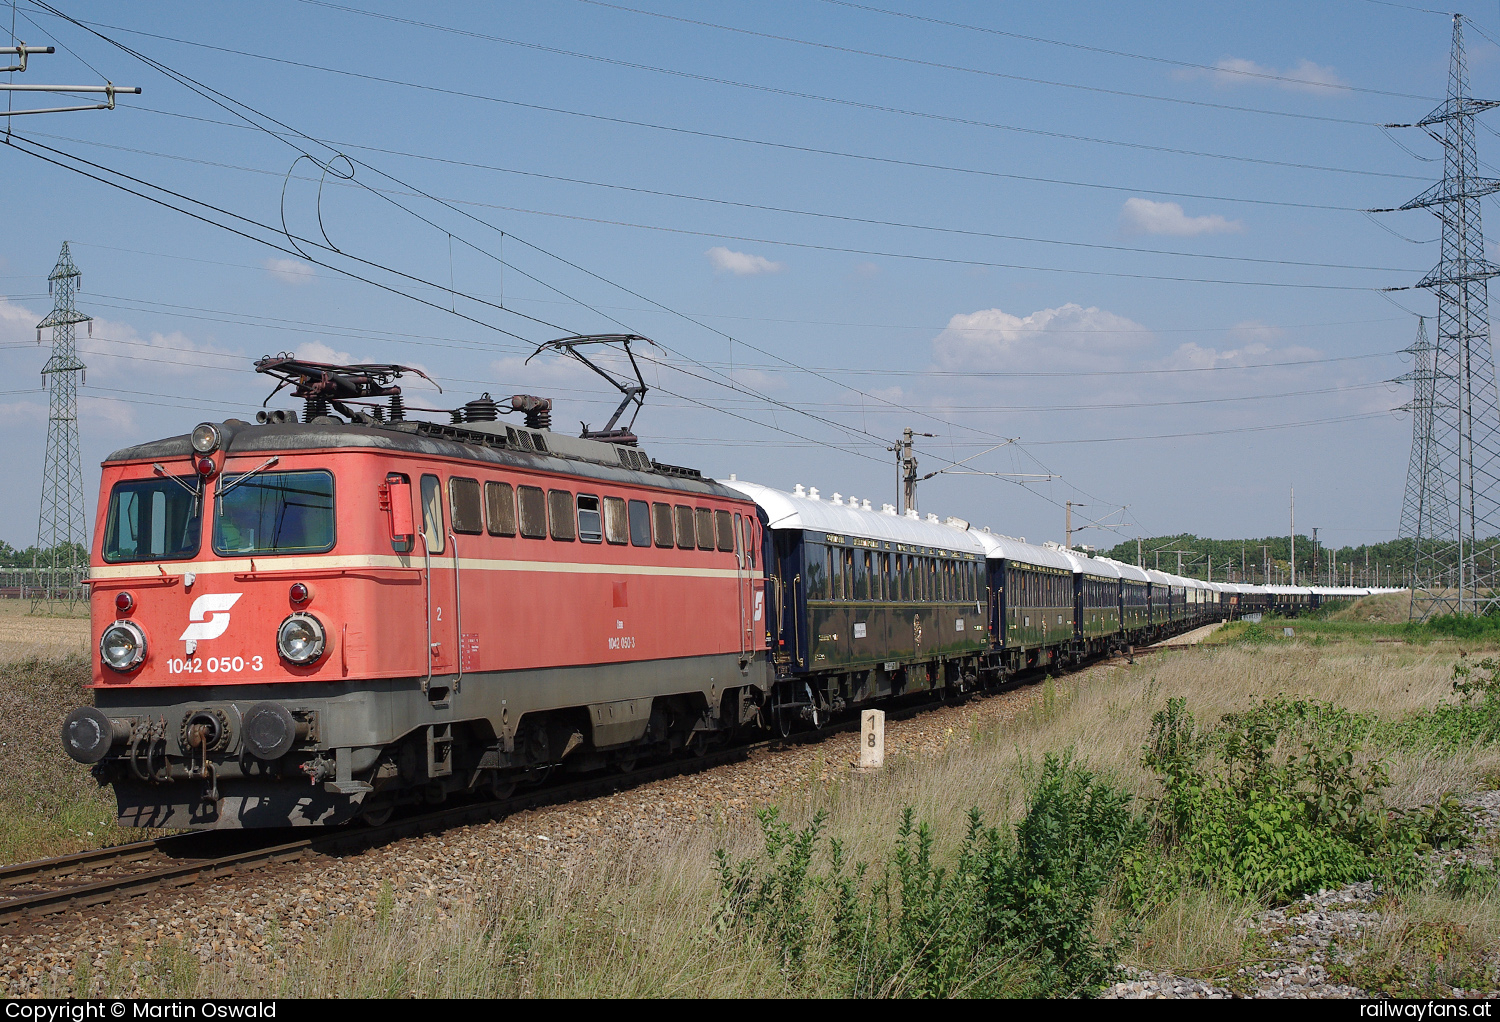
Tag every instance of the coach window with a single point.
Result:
(848, 564)
(685, 528)
(885, 576)
(590, 523)
(533, 511)
(704, 519)
(724, 533)
(861, 575)
(560, 511)
(661, 520)
(463, 506)
(640, 523)
(432, 514)
(616, 527)
(499, 509)
(817, 575)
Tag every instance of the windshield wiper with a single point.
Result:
(196, 491)
(240, 479)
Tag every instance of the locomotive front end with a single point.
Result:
(218, 620)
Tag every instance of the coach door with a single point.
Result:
(441, 586)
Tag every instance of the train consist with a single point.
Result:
(307, 622)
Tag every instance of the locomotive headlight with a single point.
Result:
(205, 438)
(301, 638)
(122, 646)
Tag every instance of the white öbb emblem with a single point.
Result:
(209, 616)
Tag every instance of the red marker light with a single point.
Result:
(124, 601)
(299, 593)
(205, 467)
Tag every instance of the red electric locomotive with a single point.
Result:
(301, 622)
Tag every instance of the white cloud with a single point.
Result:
(741, 264)
(317, 351)
(290, 271)
(1143, 216)
(1305, 76)
(1067, 336)
(866, 271)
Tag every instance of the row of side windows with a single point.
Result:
(1037, 589)
(845, 574)
(534, 513)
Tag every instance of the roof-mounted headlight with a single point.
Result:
(122, 647)
(301, 638)
(205, 438)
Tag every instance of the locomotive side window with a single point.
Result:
(640, 523)
(500, 509)
(464, 510)
(590, 523)
(533, 504)
(661, 523)
(616, 528)
(432, 514)
(724, 528)
(560, 507)
(152, 519)
(281, 513)
(704, 526)
(686, 539)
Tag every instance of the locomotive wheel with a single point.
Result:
(377, 816)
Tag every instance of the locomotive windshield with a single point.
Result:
(274, 513)
(153, 520)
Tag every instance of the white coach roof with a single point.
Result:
(1004, 547)
(789, 511)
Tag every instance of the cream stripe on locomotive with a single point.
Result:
(134, 573)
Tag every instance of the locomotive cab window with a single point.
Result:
(285, 512)
(616, 528)
(152, 519)
(560, 508)
(590, 520)
(500, 509)
(533, 505)
(464, 510)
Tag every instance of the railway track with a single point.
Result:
(105, 876)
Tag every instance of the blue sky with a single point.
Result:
(837, 222)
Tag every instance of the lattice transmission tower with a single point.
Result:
(1455, 560)
(62, 529)
(1423, 514)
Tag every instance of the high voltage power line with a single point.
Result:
(865, 221)
(751, 86)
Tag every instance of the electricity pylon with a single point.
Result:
(62, 530)
(1424, 514)
(1455, 563)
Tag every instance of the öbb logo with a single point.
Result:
(209, 616)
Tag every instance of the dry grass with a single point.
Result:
(24, 635)
(627, 924)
